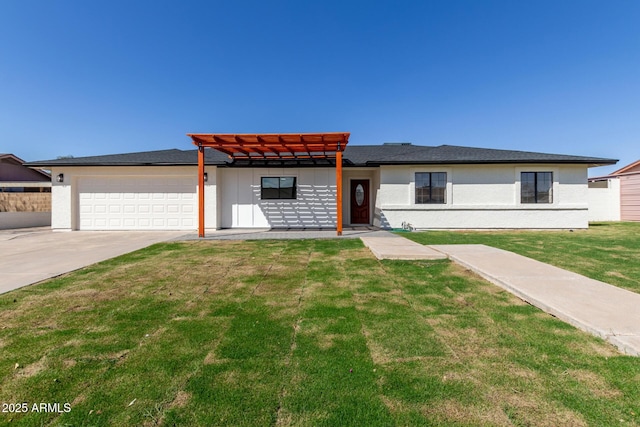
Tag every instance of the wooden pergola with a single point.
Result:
(271, 146)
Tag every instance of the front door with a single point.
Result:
(360, 201)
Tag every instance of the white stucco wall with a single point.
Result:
(62, 202)
(483, 196)
(604, 200)
(242, 207)
(211, 217)
(65, 202)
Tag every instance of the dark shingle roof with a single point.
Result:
(374, 155)
(354, 155)
(172, 157)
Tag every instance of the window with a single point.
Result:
(431, 187)
(274, 187)
(536, 187)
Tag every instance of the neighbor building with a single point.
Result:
(616, 197)
(283, 181)
(25, 194)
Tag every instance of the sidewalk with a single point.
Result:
(386, 245)
(604, 310)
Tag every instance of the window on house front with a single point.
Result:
(431, 187)
(536, 187)
(275, 187)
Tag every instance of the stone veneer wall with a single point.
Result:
(25, 202)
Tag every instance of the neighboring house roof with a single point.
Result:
(12, 169)
(10, 158)
(630, 169)
(354, 155)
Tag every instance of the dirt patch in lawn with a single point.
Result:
(181, 399)
(33, 368)
(468, 343)
(521, 408)
(453, 411)
(595, 383)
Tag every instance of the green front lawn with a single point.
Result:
(607, 251)
(298, 333)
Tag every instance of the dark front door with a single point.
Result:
(360, 201)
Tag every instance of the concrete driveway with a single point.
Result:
(30, 256)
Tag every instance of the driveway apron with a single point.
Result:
(30, 257)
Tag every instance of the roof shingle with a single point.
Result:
(354, 155)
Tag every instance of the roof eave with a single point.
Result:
(590, 163)
(83, 165)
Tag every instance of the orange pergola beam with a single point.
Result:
(271, 146)
(274, 146)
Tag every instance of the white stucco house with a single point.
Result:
(428, 187)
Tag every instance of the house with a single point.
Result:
(318, 181)
(616, 197)
(17, 178)
(25, 194)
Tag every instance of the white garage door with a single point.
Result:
(137, 203)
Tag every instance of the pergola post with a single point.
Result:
(339, 192)
(200, 191)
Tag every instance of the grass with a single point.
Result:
(609, 252)
(298, 333)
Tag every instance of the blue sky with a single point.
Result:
(99, 77)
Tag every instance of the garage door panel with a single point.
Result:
(137, 203)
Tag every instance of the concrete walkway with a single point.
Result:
(385, 245)
(604, 310)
